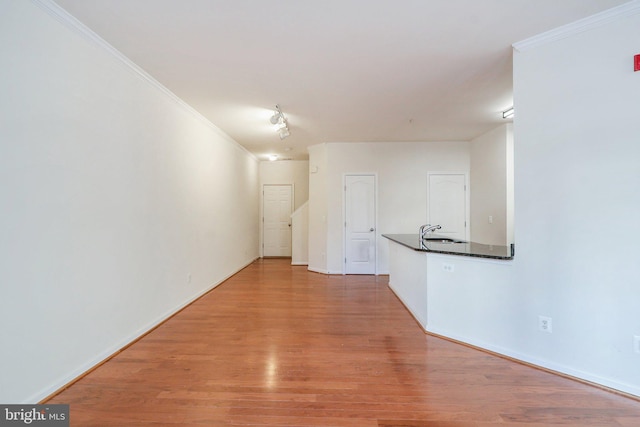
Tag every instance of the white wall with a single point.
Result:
(119, 203)
(475, 300)
(491, 172)
(401, 169)
(408, 280)
(318, 209)
(510, 187)
(300, 235)
(578, 200)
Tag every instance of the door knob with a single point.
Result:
(371, 229)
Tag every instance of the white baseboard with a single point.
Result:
(317, 270)
(544, 364)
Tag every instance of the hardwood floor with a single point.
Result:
(277, 345)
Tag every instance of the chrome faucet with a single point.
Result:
(428, 228)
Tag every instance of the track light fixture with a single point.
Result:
(277, 116)
(280, 123)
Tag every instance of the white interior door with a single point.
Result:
(447, 204)
(360, 224)
(277, 207)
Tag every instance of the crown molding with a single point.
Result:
(68, 20)
(586, 24)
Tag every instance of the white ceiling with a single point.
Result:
(342, 70)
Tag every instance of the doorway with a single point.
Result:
(360, 224)
(277, 205)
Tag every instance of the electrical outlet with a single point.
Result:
(448, 267)
(636, 343)
(545, 324)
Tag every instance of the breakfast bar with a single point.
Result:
(437, 278)
(445, 245)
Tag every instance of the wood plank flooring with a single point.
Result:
(277, 345)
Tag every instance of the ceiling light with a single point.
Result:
(508, 113)
(273, 157)
(283, 132)
(279, 120)
(276, 117)
(280, 125)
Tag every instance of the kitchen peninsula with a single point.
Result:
(443, 245)
(438, 279)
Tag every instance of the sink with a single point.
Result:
(441, 240)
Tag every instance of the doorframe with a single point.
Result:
(344, 218)
(261, 219)
(467, 196)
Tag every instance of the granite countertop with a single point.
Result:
(458, 247)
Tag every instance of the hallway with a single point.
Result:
(279, 345)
